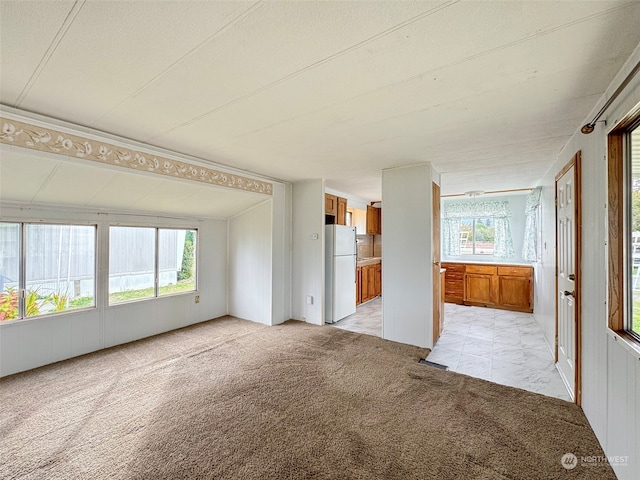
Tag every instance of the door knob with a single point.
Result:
(567, 293)
(572, 276)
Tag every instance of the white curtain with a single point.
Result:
(530, 245)
(451, 236)
(498, 210)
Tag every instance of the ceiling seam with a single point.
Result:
(315, 64)
(110, 182)
(465, 98)
(218, 32)
(46, 182)
(427, 72)
(62, 31)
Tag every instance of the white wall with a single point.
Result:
(250, 253)
(31, 343)
(308, 251)
(610, 372)
(281, 253)
(517, 222)
(407, 273)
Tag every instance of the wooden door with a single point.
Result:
(358, 285)
(377, 279)
(567, 266)
(438, 313)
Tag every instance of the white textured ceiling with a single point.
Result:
(488, 91)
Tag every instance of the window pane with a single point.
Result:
(176, 261)
(132, 258)
(466, 236)
(59, 268)
(635, 230)
(9, 270)
(483, 236)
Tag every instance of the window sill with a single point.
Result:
(147, 299)
(627, 341)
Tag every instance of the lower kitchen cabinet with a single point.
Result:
(508, 287)
(453, 282)
(368, 282)
(481, 285)
(515, 288)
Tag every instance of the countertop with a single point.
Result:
(480, 262)
(363, 262)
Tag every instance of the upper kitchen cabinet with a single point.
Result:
(330, 204)
(335, 209)
(374, 221)
(341, 217)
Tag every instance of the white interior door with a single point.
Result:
(566, 255)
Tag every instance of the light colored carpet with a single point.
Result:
(236, 400)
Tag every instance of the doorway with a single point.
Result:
(568, 247)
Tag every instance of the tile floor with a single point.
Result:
(367, 319)
(497, 345)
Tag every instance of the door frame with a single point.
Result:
(438, 312)
(576, 162)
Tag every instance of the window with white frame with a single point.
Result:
(147, 262)
(477, 236)
(477, 228)
(45, 269)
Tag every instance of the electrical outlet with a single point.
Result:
(309, 299)
(197, 298)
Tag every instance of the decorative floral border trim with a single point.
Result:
(48, 140)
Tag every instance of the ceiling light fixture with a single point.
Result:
(589, 127)
(474, 193)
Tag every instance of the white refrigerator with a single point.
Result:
(340, 272)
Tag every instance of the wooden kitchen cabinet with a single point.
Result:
(369, 279)
(377, 279)
(341, 217)
(508, 287)
(374, 221)
(515, 288)
(453, 283)
(366, 284)
(330, 204)
(481, 285)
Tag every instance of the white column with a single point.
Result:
(407, 283)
